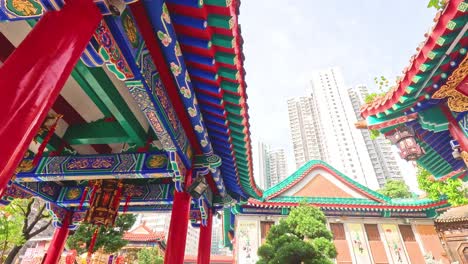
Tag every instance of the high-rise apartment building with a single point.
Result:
(322, 127)
(272, 165)
(380, 152)
(305, 131)
(263, 165)
(277, 162)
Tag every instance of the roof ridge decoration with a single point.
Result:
(307, 168)
(420, 66)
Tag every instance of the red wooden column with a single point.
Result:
(58, 241)
(35, 73)
(177, 236)
(204, 241)
(455, 129)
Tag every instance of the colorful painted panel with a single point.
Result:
(136, 194)
(26, 9)
(161, 22)
(147, 88)
(136, 165)
(247, 241)
(359, 244)
(395, 246)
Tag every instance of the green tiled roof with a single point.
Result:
(322, 200)
(299, 173)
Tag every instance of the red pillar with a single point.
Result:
(35, 73)
(455, 129)
(204, 241)
(58, 241)
(175, 249)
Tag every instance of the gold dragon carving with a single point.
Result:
(464, 156)
(24, 6)
(456, 101)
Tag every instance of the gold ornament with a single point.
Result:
(456, 101)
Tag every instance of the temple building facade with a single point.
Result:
(367, 227)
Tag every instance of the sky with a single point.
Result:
(285, 41)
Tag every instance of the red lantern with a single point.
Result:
(403, 137)
(104, 203)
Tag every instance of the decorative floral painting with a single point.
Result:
(394, 244)
(247, 242)
(359, 244)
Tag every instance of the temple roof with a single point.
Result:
(218, 76)
(142, 233)
(431, 89)
(444, 48)
(319, 184)
(454, 214)
(312, 165)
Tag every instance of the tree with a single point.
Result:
(19, 222)
(302, 237)
(452, 189)
(149, 256)
(396, 189)
(110, 239)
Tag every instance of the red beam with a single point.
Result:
(61, 106)
(35, 73)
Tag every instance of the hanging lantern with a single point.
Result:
(403, 137)
(104, 202)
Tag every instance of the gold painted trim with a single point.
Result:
(456, 101)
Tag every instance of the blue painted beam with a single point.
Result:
(88, 167)
(194, 42)
(156, 104)
(161, 21)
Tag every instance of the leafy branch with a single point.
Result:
(437, 4)
(452, 189)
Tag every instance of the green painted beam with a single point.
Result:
(219, 21)
(233, 109)
(447, 39)
(226, 58)
(436, 53)
(230, 86)
(223, 41)
(231, 98)
(86, 87)
(99, 132)
(235, 119)
(228, 73)
(107, 92)
(237, 128)
(53, 144)
(223, 3)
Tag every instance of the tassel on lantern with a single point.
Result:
(46, 140)
(83, 197)
(93, 192)
(127, 201)
(116, 201)
(92, 243)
